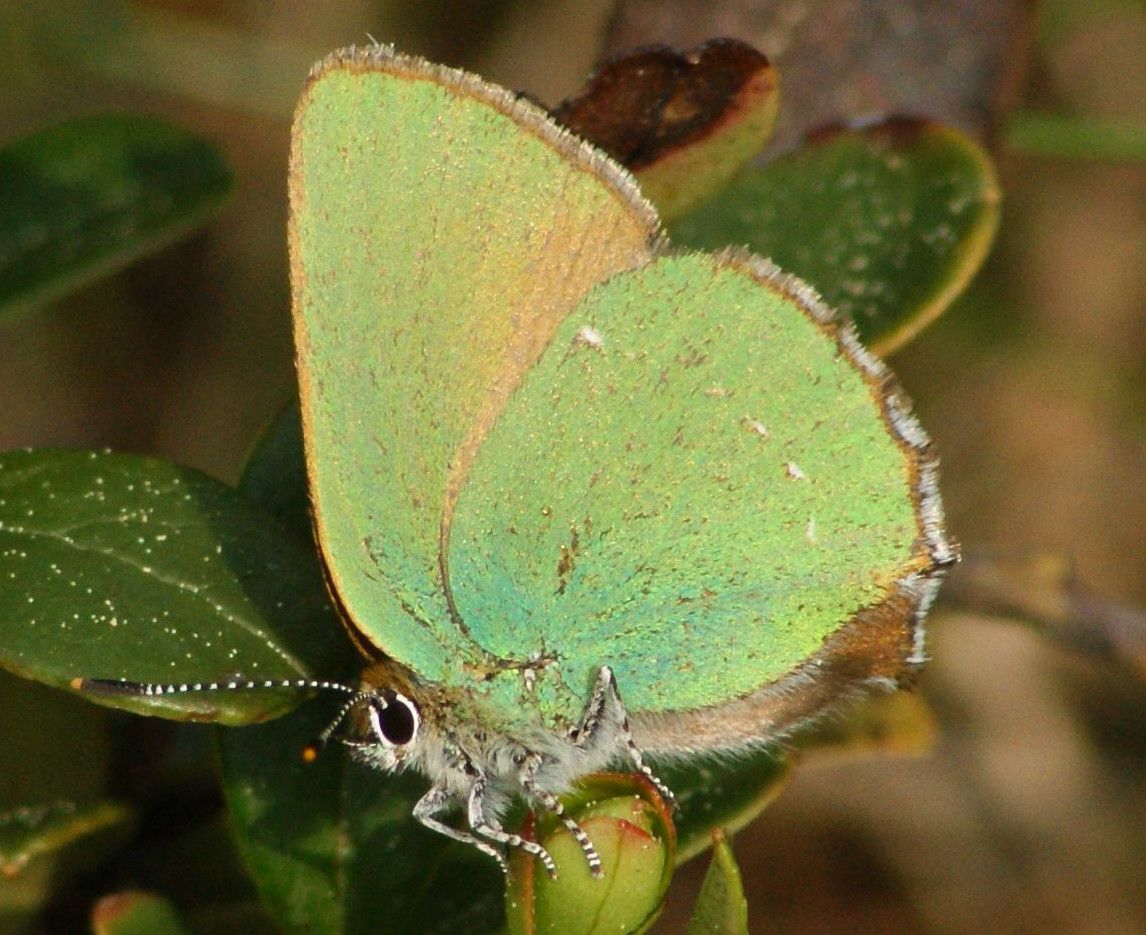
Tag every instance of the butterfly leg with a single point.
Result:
(606, 709)
(550, 801)
(436, 801)
(490, 828)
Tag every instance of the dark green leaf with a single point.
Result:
(725, 794)
(275, 475)
(135, 914)
(333, 847)
(123, 567)
(721, 908)
(86, 197)
(42, 847)
(889, 223)
(1064, 136)
(233, 918)
(27, 834)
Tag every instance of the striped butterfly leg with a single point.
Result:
(550, 801)
(484, 827)
(489, 827)
(605, 714)
(438, 800)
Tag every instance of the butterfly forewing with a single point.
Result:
(440, 231)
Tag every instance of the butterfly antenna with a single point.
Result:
(157, 689)
(356, 699)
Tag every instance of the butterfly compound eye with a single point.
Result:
(395, 720)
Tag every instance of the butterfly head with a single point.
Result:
(385, 728)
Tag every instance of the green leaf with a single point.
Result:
(1064, 136)
(727, 794)
(721, 908)
(275, 474)
(84, 198)
(333, 846)
(135, 913)
(61, 747)
(27, 834)
(42, 847)
(889, 223)
(116, 566)
(233, 918)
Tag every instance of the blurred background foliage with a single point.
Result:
(1029, 813)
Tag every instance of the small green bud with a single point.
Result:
(632, 831)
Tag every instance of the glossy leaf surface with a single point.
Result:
(888, 223)
(333, 846)
(124, 567)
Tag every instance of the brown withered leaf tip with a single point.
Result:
(643, 104)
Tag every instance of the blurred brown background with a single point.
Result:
(1030, 814)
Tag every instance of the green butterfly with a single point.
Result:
(579, 497)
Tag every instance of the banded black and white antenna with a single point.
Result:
(125, 687)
